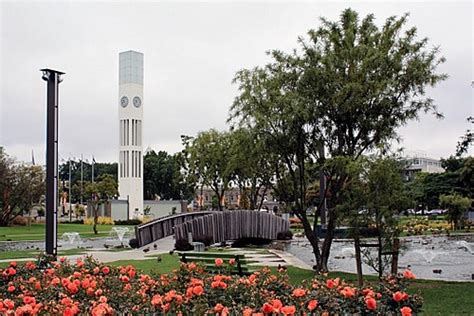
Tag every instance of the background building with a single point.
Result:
(422, 164)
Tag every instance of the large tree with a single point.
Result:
(21, 187)
(208, 161)
(344, 93)
(162, 177)
(100, 192)
(253, 166)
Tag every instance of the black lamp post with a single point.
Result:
(53, 78)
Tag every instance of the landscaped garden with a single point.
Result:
(165, 286)
(37, 231)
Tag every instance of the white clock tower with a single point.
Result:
(130, 105)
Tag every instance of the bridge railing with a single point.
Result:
(163, 227)
(232, 225)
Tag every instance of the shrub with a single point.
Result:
(77, 221)
(250, 241)
(206, 240)
(128, 222)
(40, 212)
(20, 221)
(183, 245)
(101, 220)
(296, 225)
(294, 220)
(133, 243)
(286, 235)
(88, 287)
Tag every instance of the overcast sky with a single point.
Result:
(192, 51)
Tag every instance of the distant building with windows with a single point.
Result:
(422, 164)
(232, 199)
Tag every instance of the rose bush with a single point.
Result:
(87, 287)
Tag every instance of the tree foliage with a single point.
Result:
(456, 206)
(21, 187)
(99, 192)
(208, 161)
(345, 91)
(162, 177)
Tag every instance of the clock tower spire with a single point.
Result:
(130, 171)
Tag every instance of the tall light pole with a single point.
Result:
(70, 192)
(53, 78)
(82, 177)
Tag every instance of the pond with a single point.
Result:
(429, 257)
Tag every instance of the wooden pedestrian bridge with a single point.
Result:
(221, 226)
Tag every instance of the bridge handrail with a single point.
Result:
(167, 217)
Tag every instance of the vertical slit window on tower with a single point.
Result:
(128, 132)
(133, 132)
(126, 164)
(139, 133)
(139, 164)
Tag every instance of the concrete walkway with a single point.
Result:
(260, 257)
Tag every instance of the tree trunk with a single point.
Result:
(395, 250)
(328, 240)
(360, 276)
(313, 240)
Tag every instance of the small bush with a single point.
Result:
(77, 221)
(183, 245)
(287, 235)
(20, 221)
(248, 241)
(128, 222)
(296, 226)
(206, 240)
(133, 243)
(102, 220)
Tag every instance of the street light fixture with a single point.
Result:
(53, 78)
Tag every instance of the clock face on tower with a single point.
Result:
(124, 101)
(137, 102)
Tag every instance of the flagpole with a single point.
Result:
(93, 162)
(82, 178)
(70, 194)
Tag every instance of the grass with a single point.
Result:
(440, 297)
(20, 254)
(37, 231)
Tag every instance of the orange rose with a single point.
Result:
(288, 310)
(247, 312)
(348, 292)
(371, 303)
(406, 311)
(105, 270)
(312, 304)
(330, 283)
(72, 288)
(299, 292)
(11, 288)
(219, 262)
(231, 262)
(156, 300)
(198, 290)
(399, 296)
(267, 308)
(407, 274)
(218, 308)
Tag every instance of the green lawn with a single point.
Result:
(37, 231)
(441, 298)
(19, 254)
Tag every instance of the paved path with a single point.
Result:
(261, 257)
